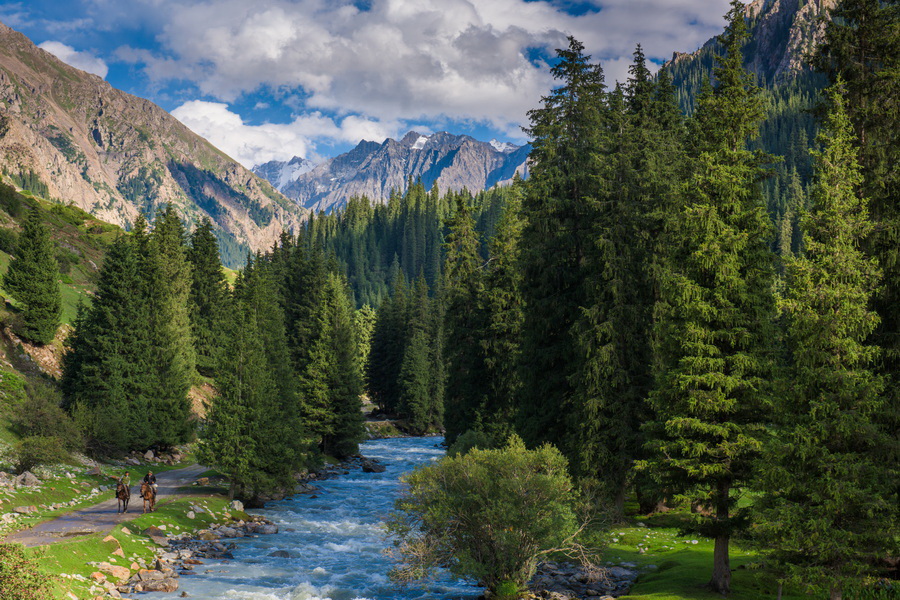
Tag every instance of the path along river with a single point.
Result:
(335, 541)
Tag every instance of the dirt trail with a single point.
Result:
(102, 517)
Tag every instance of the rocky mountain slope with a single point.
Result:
(782, 32)
(69, 136)
(371, 169)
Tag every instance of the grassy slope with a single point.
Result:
(676, 567)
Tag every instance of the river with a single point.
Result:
(335, 541)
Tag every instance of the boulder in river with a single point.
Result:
(280, 554)
(372, 466)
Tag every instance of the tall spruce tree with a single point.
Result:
(344, 375)
(464, 323)
(615, 332)
(828, 512)
(169, 287)
(107, 369)
(502, 304)
(714, 315)
(32, 279)
(862, 46)
(563, 192)
(208, 295)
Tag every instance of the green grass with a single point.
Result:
(676, 567)
(71, 558)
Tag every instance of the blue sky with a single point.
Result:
(271, 79)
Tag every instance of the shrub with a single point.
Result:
(469, 440)
(38, 450)
(488, 516)
(9, 240)
(40, 414)
(20, 577)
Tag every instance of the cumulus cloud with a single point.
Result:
(255, 144)
(409, 59)
(79, 59)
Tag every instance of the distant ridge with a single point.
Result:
(453, 162)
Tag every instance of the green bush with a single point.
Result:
(469, 440)
(9, 240)
(20, 577)
(488, 516)
(40, 415)
(39, 450)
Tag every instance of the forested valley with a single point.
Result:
(688, 317)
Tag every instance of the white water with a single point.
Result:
(335, 540)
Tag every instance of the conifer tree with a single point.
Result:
(415, 383)
(828, 511)
(563, 192)
(862, 46)
(714, 315)
(464, 323)
(168, 275)
(614, 334)
(502, 303)
(233, 439)
(107, 374)
(343, 376)
(364, 324)
(208, 295)
(32, 280)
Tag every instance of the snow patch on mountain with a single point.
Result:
(504, 147)
(420, 143)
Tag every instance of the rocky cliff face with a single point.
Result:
(371, 169)
(112, 154)
(783, 33)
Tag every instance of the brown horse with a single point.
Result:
(149, 496)
(123, 494)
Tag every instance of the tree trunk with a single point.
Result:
(721, 578)
(231, 491)
(780, 588)
(835, 593)
(620, 503)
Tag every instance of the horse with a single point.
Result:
(123, 494)
(149, 496)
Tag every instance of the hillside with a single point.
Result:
(453, 162)
(70, 136)
(81, 241)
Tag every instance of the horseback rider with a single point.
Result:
(150, 479)
(125, 480)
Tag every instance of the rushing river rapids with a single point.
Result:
(335, 541)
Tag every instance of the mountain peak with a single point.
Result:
(453, 162)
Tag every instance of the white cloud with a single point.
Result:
(361, 72)
(255, 144)
(78, 59)
(409, 59)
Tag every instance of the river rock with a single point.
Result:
(266, 529)
(114, 570)
(163, 585)
(280, 554)
(229, 532)
(372, 466)
(236, 505)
